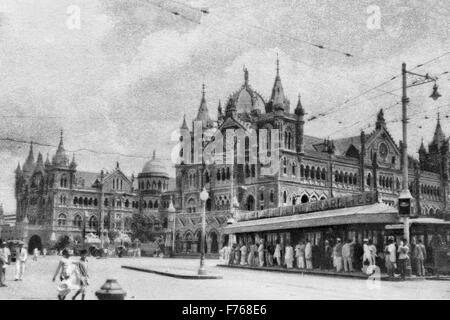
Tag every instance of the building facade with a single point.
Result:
(311, 168)
(54, 199)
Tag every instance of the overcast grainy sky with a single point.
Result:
(121, 82)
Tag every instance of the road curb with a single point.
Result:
(174, 275)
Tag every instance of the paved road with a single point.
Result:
(235, 284)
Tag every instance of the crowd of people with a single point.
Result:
(334, 254)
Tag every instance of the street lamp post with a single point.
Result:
(204, 195)
(172, 211)
(405, 196)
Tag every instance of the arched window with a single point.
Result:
(313, 173)
(336, 176)
(284, 165)
(247, 170)
(106, 202)
(156, 204)
(261, 195)
(218, 175)
(324, 174)
(150, 204)
(294, 169)
(154, 185)
(93, 222)
(95, 202)
(90, 201)
(127, 203)
(228, 173)
(144, 205)
(206, 176)
(318, 174)
(307, 172)
(250, 203)
(341, 177)
(313, 198)
(223, 174)
(159, 185)
(62, 219)
(75, 200)
(272, 196)
(302, 171)
(77, 221)
(346, 178)
(253, 166)
(369, 180)
(284, 197)
(191, 206)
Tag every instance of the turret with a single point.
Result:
(202, 114)
(300, 112)
(29, 164)
(278, 100)
(219, 112)
(422, 156)
(381, 122)
(73, 163)
(60, 158)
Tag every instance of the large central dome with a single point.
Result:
(155, 167)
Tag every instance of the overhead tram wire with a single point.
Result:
(319, 46)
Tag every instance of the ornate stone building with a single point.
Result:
(55, 199)
(311, 168)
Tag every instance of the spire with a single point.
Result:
(380, 120)
(60, 158)
(47, 161)
(73, 163)
(18, 170)
(39, 162)
(184, 124)
(278, 100)
(29, 162)
(202, 114)
(439, 136)
(299, 109)
(422, 147)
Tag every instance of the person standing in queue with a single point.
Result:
(289, 256)
(308, 254)
(403, 257)
(261, 253)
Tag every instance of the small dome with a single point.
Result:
(155, 167)
(247, 99)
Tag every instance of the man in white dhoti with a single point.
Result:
(289, 256)
(300, 255)
(366, 253)
(244, 250)
(308, 255)
(277, 254)
(261, 253)
(21, 259)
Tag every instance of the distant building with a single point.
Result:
(54, 199)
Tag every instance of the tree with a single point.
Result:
(63, 242)
(142, 227)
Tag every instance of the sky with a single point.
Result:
(117, 76)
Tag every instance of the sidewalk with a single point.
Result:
(331, 273)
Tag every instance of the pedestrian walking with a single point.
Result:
(289, 256)
(251, 254)
(64, 269)
(82, 275)
(35, 254)
(308, 254)
(420, 254)
(347, 256)
(337, 255)
(277, 254)
(261, 253)
(300, 255)
(21, 259)
(403, 257)
(44, 252)
(244, 250)
(3, 262)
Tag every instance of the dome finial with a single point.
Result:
(278, 65)
(245, 75)
(154, 154)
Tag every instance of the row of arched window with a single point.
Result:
(148, 185)
(388, 183)
(63, 182)
(303, 199)
(346, 178)
(77, 221)
(432, 191)
(80, 201)
(306, 172)
(150, 204)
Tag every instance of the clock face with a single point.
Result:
(383, 150)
